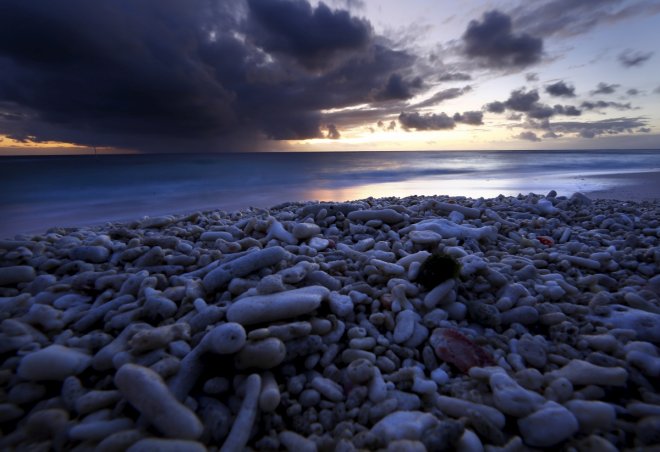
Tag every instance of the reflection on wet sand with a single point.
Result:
(471, 187)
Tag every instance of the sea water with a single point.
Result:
(37, 193)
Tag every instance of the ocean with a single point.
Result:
(38, 193)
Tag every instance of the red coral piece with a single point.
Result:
(545, 240)
(453, 347)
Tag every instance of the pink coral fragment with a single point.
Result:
(455, 348)
(545, 240)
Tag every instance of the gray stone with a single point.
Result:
(145, 390)
(93, 254)
(17, 274)
(54, 362)
(549, 426)
(278, 306)
(404, 425)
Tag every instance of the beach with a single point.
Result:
(412, 323)
(639, 186)
(344, 226)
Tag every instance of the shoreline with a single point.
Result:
(325, 325)
(96, 190)
(120, 154)
(638, 186)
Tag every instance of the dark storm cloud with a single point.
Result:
(454, 77)
(601, 104)
(532, 77)
(570, 17)
(541, 111)
(197, 75)
(474, 118)
(429, 121)
(633, 92)
(527, 102)
(551, 134)
(312, 36)
(333, 133)
(631, 58)
(362, 78)
(592, 129)
(605, 88)
(10, 116)
(441, 96)
(80, 66)
(494, 43)
(433, 121)
(385, 102)
(521, 100)
(560, 89)
(495, 107)
(605, 127)
(529, 136)
(397, 88)
(566, 110)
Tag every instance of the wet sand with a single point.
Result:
(630, 187)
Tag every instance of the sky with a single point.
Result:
(146, 76)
